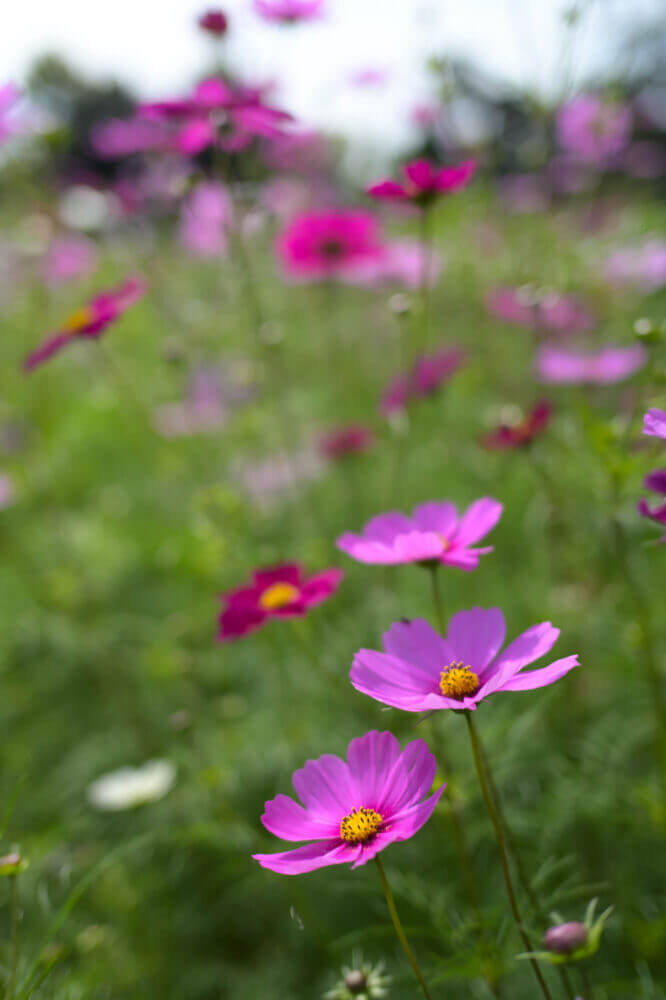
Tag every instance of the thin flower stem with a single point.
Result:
(437, 597)
(585, 980)
(499, 836)
(426, 245)
(14, 920)
(402, 938)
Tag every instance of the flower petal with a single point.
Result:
(290, 821)
(474, 637)
(540, 678)
(478, 520)
(387, 189)
(417, 642)
(308, 858)
(386, 527)
(434, 516)
(410, 821)
(411, 779)
(284, 573)
(527, 647)
(393, 681)
(318, 588)
(371, 759)
(324, 786)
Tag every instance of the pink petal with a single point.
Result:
(478, 520)
(409, 822)
(420, 173)
(195, 137)
(308, 858)
(391, 681)
(237, 620)
(411, 779)
(325, 787)
(467, 559)
(47, 350)
(434, 516)
(387, 189)
(371, 759)
(290, 821)
(285, 573)
(417, 642)
(540, 678)
(528, 647)
(318, 588)
(474, 637)
(385, 527)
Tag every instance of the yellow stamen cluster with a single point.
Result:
(78, 320)
(360, 825)
(458, 681)
(278, 595)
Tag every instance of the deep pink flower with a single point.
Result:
(421, 670)
(593, 130)
(289, 11)
(655, 481)
(215, 22)
(547, 311)
(423, 182)
(353, 809)
(331, 244)
(611, 364)
(279, 592)
(90, 321)
(347, 440)
(518, 435)
(67, 258)
(654, 423)
(427, 375)
(434, 533)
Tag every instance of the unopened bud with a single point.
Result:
(566, 938)
(356, 981)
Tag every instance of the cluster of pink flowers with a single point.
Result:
(545, 311)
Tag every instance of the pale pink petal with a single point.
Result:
(434, 516)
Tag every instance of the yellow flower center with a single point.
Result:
(278, 595)
(360, 825)
(78, 319)
(446, 544)
(458, 681)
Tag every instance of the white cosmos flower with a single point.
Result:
(132, 786)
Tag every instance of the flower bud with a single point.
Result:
(356, 981)
(400, 304)
(215, 22)
(12, 864)
(566, 938)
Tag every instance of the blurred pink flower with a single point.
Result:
(424, 115)
(9, 97)
(545, 310)
(644, 265)
(205, 219)
(401, 261)
(655, 481)
(68, 258)
(119, 137)
(518, 435)
(215, 22)
(348, 440)
(268, 481)
(368, 77)
(289, 11)
(594, 130)
(603, 367)
(429, 372)
(328, 244)
(204, 408)
(423, 182)
(654, 423)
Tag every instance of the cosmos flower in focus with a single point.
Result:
(520, 434)
(132, 786)
(654, 423)
(421, 670)
(539, 309)
(603, 367)
(215, 22)
(289, 11)
(434, 533)
(353, 809)
(655, 481)
(328, 245)
(90, 321)
(423, 182)
(349, 440)
(429, 372)
(280, 592)
(594, 130)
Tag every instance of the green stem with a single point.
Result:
(426, 243)
(402, 938)
(437, 596)
(14, 915)
(499, 836)
(585, 980)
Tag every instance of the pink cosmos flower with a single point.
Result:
(544, 310)
(654, 423)
(644, 265)
(423, 182)
(353, 809)
(655, 481)
(205, 220)
(421, 670)
(215, 22)
(519, 435)
(120, 137)
(434, 533)
(279, 592)
(346, 441)
(429, 372)
(68, 258)
(330, 244)
(593, 130)
(90, 321)
(288, 11)
(604, 367)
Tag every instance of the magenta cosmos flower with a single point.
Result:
(215, 22)
(289, 11)
(279, 592)
(349, 440)
(518, 435)
(428, 374)
(332, 244)
(654, 423)
(434, 533)
(611, 364)
(90, 321)
(593, 130)
(421, 670)
(353, 809)
(423, 182)
(547, 311)
(655, 481)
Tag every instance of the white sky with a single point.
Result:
(156, 47)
